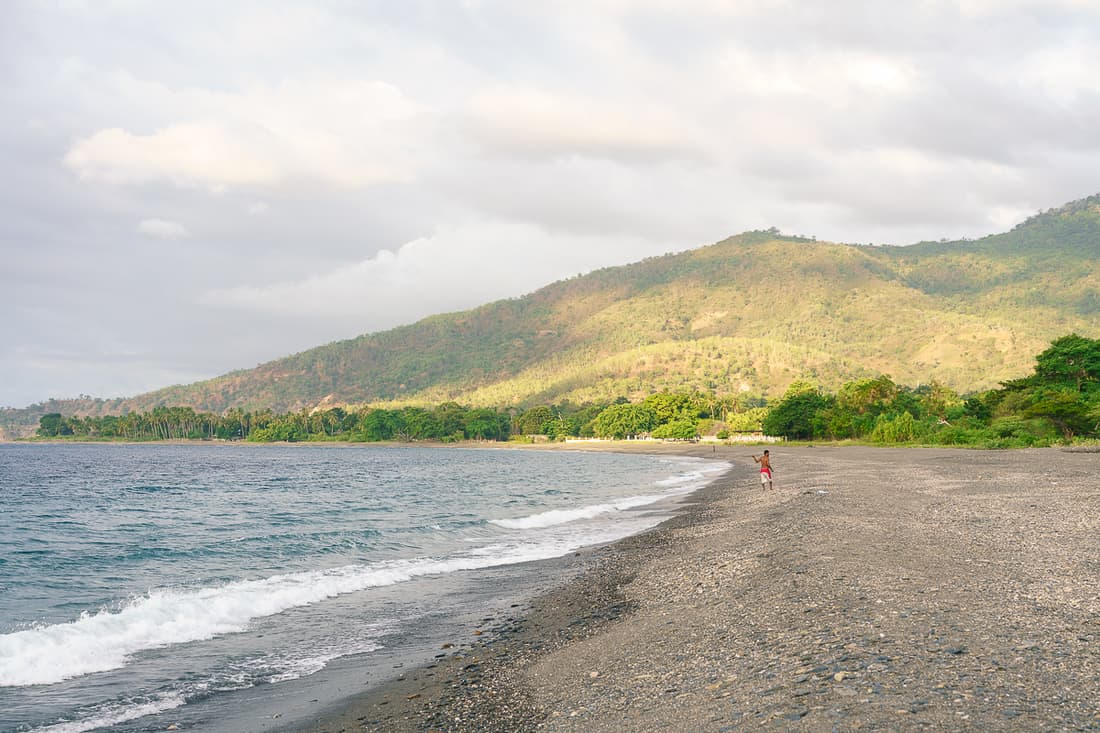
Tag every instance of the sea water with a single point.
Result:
(143, 586)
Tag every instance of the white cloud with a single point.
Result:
(340, 132)
(458, 267)
(163, 229)
(835, 78)
(565, 135)
(532, 121)
(1065, 72)
(197, 153)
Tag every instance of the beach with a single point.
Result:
(872, 589)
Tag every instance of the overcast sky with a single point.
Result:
(190, 188)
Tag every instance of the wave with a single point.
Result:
(678, 485)
(106, 640)
(697, 477)
(115, 713)
(564, 516)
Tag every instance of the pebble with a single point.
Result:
(816, 603)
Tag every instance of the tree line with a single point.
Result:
(1059, 401)
(663, 415)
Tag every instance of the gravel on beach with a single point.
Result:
(871, 589)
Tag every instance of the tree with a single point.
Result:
(624, 420)
(935, 399)
(484, 423)
(1070, 360)
(52, 425)
(578, 422)
(379, 424)
(1066, 408)
(668, 406)
(332, 421)
(748, 421)
(837, 422)
(867, 395)
(978, 409)
(796, 416)
(419, 424)
(800, 386)
(450, 418)
(535, 420)
(679, 429)
(901, 429)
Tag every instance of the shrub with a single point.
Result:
(677, 429)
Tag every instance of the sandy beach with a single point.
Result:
(872, 589)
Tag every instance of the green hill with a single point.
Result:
(748, 314)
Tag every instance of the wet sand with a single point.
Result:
(872, 589)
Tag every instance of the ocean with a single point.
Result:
(215, 587)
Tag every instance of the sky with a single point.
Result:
(192, 188)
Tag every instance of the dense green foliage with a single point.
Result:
(447, 422)
(663, 414)
(1060, 400)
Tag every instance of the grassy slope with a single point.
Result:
(751, 313)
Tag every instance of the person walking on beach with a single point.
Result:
(765, 462)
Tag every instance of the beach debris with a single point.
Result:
(478, 632)
(593, 674)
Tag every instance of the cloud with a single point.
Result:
(835, 77)
(188, 154)
(339, 132)
(529, 121)
(43, 372)
(163, 229)
(457, 267)
(505, 144)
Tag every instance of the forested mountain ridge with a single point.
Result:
(750, 314)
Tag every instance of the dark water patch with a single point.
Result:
(152, 489)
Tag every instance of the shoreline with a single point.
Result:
(896, 588)
(419, 615)
(465, 686)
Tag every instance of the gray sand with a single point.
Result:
(873, 589)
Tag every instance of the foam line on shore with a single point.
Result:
(678, 486)
(115, 713)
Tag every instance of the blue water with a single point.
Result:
(144, 583)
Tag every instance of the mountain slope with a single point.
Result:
(750, 313)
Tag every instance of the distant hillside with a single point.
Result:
(748, 314)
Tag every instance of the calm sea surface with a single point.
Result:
(146, 585)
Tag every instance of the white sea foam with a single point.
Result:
(292, 669)
(113, 714)
(678, 485)
(554, 517)
(107, 639)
